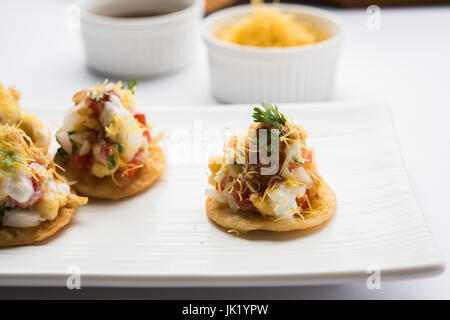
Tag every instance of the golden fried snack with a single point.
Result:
(35, 201)
(11, 113)
(106, 147)
(267, 179)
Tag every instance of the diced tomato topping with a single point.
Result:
(245, 204)
(141, 118)
(147, 135)
(242, 198)
(97, 105)
(139, 158)
(235, 192)
(308, 157)
(223, 183)
(78, 162)
(121, 169)
(130, 174)
(302, 202)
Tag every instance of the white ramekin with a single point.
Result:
(140, 47)
(244, 74)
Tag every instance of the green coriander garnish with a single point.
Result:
(9, 159)
(269, 115)
(111, 162)
(131, 84)
(299, 162)
(4, 209)
(97, 96)
(61, 156)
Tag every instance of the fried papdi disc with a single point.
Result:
(11, 236)
(89, 185)
(242, 221)
(11, 113)
(35, 129)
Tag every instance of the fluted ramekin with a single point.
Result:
(245, 74)
(144, 46)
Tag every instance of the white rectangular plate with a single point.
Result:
(162, 237)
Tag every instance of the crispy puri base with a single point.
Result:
(242, 221)
(10, 236)
(89, 185)
(31, 128)
(35, 129)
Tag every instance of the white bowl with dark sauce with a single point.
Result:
(139, 38)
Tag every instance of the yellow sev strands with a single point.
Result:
(269, 27)
(237, 183)
(117, 127)
(17, 144)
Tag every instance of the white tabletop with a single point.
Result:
(405, 62)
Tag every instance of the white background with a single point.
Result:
(406, 63)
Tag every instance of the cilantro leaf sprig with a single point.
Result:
(97, 96)
(131, 84)
(111, 162)
(61, 156)
(270, 115)
(10, 159)
(4, 209)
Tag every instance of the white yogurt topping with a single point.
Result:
(283, 199)
(113, 107)
(18, 186)
(71, 118)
